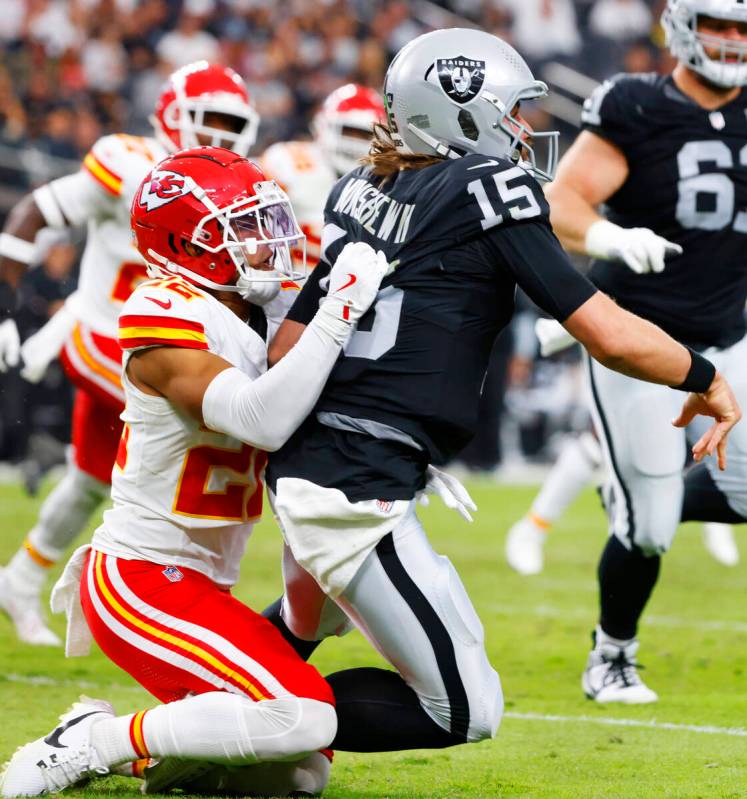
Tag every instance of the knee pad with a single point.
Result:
(295, 727)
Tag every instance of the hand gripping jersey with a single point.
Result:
(100, 195)
(688, 183)
(301, 169)
(461, 235)
(183, 495)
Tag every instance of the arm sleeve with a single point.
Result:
(307, 302)
(533, 255)
(265, 412)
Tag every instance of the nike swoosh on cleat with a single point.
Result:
(350, 282)
(53, 739)
(166, 304)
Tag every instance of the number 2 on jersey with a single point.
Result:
(240, 500)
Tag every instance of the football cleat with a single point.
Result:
(25, 613)
(161, 776)
(60, 759)
(524, 545)
(719, 542)
(611, 673)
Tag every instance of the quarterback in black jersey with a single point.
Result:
(450, 195)
(666, 154)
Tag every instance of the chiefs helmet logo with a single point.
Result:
(163, 187)
(460, 77)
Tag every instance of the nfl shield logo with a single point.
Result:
(460, 77)
(172, 574)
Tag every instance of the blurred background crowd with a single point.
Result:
(73, 70)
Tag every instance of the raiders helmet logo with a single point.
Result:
(163, 187)
(460, 77)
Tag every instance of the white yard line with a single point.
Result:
(550, 611)
(708, 729)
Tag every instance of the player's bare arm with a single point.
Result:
(178, 375)
(286, 337)
(590, 172)
(23, 223)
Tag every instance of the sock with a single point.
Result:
(304, 649)
(378, 712)
(28, 570)
(573, 470)
(120, 740)
(626, 580)
(704, 501)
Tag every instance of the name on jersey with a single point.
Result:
(380, 215)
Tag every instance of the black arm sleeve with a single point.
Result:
(307, 302)
(534, 257)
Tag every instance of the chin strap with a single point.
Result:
(177, 269)
(439, 147)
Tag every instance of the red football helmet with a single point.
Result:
(344, 124)
(207, 214)
(190, 99)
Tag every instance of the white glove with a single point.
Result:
(552, 336)
(638, 247)
(10, 345)
(354, 282)
(257, 288)
(453, 494)
(39, 350)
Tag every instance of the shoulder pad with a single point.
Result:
(168, 312)
(112, 158)
(618, 95)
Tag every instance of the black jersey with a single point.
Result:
(461, 235)
(687, 182)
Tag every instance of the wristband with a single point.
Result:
(700, 375)
(17, 249)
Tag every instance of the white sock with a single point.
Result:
(571, 473)
(219, 727)
(28, 571)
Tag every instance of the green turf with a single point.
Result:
(694, 644)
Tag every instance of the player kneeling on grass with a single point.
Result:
(153, 588)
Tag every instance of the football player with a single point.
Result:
(201, 411)
(667, 155)
(450, 193)
(200, 104)
(308, 170)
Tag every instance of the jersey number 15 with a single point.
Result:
(519, 200)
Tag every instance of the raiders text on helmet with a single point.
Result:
(452, 92)
(688, 45)
(201, 212)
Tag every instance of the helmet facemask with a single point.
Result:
(264, 219)
(689, 45)
(188, 116)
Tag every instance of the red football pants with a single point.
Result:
(176, 632)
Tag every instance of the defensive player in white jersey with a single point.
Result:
(153, 588)
(200, 104)
(308, 170)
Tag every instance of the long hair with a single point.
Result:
(385, 160)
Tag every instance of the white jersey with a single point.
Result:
(183, 495)
(301, 169)
(100, 194)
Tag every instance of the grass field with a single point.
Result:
(553, 743)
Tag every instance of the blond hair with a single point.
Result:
(385, 160)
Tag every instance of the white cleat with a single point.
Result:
(25, 613)
(60, 759)
(162, 776)
(720, 544)
(611, 674)
(524, 547)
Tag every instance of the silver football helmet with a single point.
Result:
(452, 92)
(687, 45)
